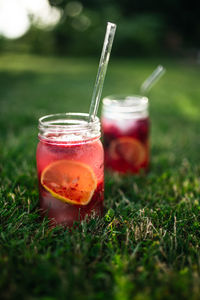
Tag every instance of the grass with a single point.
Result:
(147, 244)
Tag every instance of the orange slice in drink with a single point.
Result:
(70, 181)
(128, 149)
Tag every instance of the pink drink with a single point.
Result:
(125, 125)
(70, 168)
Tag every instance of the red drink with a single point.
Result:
(70, 168)
(125, 125)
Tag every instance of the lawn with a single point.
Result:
(147, 244)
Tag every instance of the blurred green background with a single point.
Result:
(145, 28)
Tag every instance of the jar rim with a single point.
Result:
(126, 103)
(70, 128)
(67, 121)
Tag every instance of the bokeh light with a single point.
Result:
(16, 16)
(73, 8)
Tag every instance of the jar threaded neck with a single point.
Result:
(68, 128)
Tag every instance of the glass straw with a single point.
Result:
(105, 55)
(152, 79)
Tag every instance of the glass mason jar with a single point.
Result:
(70, 167)
(125, 126)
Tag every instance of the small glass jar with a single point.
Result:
(70, 167)
(125, 126)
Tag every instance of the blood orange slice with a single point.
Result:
(70, 181)
(129, 150)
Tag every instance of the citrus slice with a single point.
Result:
(70, 181)
(128, 149)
